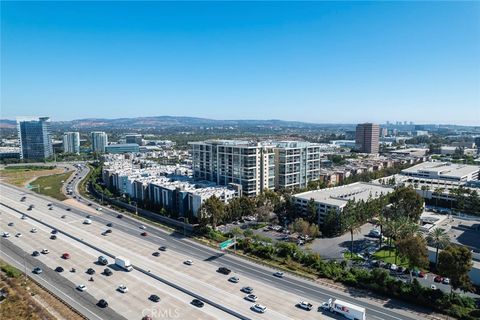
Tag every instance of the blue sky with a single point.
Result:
(314, 61)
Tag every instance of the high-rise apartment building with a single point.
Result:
(297, 163)
(134, 138)
(71, 142)
(35, 138)
(255, 167)
(366, 137)
(99, 141)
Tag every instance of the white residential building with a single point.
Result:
(71, 142)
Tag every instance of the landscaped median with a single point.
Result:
(51, 185)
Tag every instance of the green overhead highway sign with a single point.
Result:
(225, 244)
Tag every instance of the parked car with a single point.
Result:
(438, 279)
(446, 281)
(197, 303)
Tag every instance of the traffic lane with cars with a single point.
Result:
(131, 304)
(309, 289)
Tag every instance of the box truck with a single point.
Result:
(348, 310)
(123, 263)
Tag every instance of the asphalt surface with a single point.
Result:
(174, 241)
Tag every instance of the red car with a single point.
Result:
(422, 274)
(144, 234)
(66, 256)
(438, 279)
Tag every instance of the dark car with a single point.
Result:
(102, 303)
(90, 271)
(59, 269)
(35, 253)
(110, 224)
(11, 224)
(387, 266)
(162, 248)
(53, 237)
(197, 303)
(119, 216)
(156, 254)
(88, 216)
(154, 298)
(63, 216)
(54, 231)
(108, 231)
(68, 209)
(144, 234)
(247, 289)
(89, 204)
(224, 270)
(107, 272)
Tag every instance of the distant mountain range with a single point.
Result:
(171, 121)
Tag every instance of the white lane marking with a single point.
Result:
(51, 286)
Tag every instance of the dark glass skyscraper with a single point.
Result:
(35, 138)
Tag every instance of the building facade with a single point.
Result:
(99, 141)
(35, 138)
(122, 148)
(71, 142)
(367, 137)
(134, 138)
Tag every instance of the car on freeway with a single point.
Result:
(24, 217)
(50, 208)
(108, 231)
(107, 272)
(278, 274)
(30, 207)
(37, 270)
(156, 254)
(438, 279)
(154, 298)
(234, 279)
(90, 271)
(162, 248)
(99, 209)
(305, 305)
(45, 251)
(122, 288)
(66, 256)
(120, 216)
(259, 308)
(446, 281)
(11, 224)
(87, 221)
(54, 231)
(224, 270)
(63, 216)
(188, 262)
(88, 217)
(110, 224)
(59, 269)
(6, 235)
(197, 303)
(251, 298)
(35, 253)
(143, 227)
(53, 237)
(18, 235)
(68, 209)
(247, 289)
(102, 303)
(22, 199)
(49, 204)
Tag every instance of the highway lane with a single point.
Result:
(309, 290)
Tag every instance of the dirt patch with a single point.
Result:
(21, 178)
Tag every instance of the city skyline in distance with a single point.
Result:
(308, 62)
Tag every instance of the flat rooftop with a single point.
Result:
(339, 196)
(442, 169)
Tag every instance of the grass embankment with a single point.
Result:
(30, 301)
(388, 256)
(51, 185)
(20, 175)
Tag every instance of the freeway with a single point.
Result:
(260, 275)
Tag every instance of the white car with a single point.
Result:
(34, 230)
(6, 235)
(99, 209)
(24, 217)
(122, 288)
(18, 235)
(87, 221)
(82, 287)
(259, 308)
(393, 267)
(143, 227)
(278, 274)
(251, 297)
(305, 305)
(234, 279)
(446, 281)
(188, 262)
(45, 251)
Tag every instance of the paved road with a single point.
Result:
(307, 289)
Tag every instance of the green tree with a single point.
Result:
(312, 211)
(352, 223)
(438, 238)
(414, 249)
(407, 202)
(212, 211)
(455, 262)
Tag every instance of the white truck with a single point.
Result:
(123, 263)
(348, 310)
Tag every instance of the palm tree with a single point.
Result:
(439, 239)
(351, 222)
